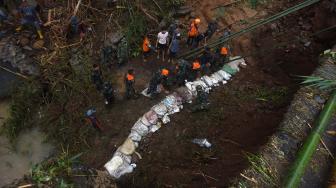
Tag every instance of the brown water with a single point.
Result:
(17, 160)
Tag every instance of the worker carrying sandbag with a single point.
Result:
(193, 32)
(29, 17)
(159, 77)
(202, 100)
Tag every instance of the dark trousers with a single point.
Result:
(130, 91)
(152, 90)
(191, 41)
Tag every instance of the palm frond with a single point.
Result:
(321, 83)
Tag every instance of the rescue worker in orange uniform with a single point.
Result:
(129, 82)
(146, 48)
(159, 77)
(193, 32)
(224, 54)
(195, 70)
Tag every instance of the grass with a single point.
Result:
(260, 166)
(276, 95)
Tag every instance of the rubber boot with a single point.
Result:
(39, 32)
(18, 29)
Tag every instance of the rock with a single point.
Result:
(39, 44)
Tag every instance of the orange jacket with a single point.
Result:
(193, 31)
(224, 51)
(130, 77)
(145, 45)
(196, 65)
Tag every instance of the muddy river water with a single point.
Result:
(17, 159)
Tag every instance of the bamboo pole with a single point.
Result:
(306, 152)
(194, 52)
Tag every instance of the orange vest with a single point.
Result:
(145, 45)
(165, 72)
(224, 51)
(193, 32)
(129, 77)
(196, 65)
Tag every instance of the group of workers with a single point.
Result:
(168, 42)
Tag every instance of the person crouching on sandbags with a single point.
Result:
(202, 100)
(159, 77)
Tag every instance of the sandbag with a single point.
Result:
(224, 74)
(160, 109)
(135, 136)
(151, 117)
(171, 103)
(145, 121)
(128, 147)
(178, 98)
(185, 94)
(140, 128)
(208, 81)
(112, 165)
(155, 127)
(165, 119)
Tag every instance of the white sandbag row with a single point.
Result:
(120, 163)
(208, 82)
(150, 122)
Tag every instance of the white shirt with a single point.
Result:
(162, 37)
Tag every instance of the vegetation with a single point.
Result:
(24, 105)
(260, 166)
(55, 172)
(306, 152)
